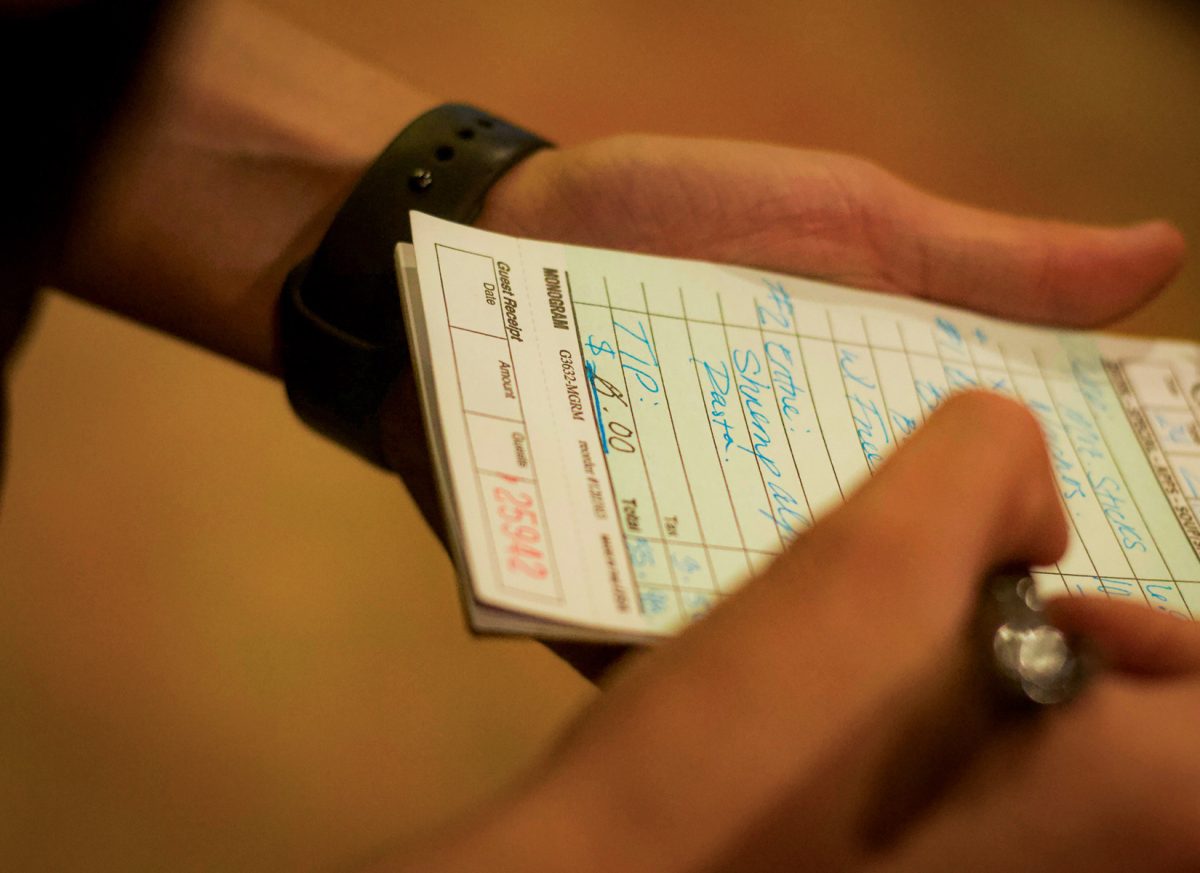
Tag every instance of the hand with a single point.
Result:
(765, 737)
(832, 217)
(1109, 783)
(815, 214)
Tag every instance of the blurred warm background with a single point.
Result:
(225, 645)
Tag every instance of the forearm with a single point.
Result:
(254, 134)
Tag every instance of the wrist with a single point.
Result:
(298, 122)
(342, 333)
(253, 134)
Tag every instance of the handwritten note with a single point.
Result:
(624, 439)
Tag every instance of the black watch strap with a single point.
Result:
(340, 320)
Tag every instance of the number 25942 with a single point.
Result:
(521, 531)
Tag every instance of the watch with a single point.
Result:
(341, 325)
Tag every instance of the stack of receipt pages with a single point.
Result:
(621, 440)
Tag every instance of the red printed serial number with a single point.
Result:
(520, 530)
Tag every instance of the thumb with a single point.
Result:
(855, 223)
(1129, 637)
(830, 216)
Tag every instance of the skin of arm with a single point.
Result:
(251, 132)
(249, 137)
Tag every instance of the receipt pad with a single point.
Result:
(622, 440)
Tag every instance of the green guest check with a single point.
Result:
(622, 440)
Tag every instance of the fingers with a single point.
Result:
(973, 490)
(717, 725)
(1109, 783)
(1022, 268)
(1044, 271)
(898, 565)
(895, 237)
(1131, 638)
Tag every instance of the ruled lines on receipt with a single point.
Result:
(626, 439)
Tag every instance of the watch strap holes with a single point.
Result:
(419, 179)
